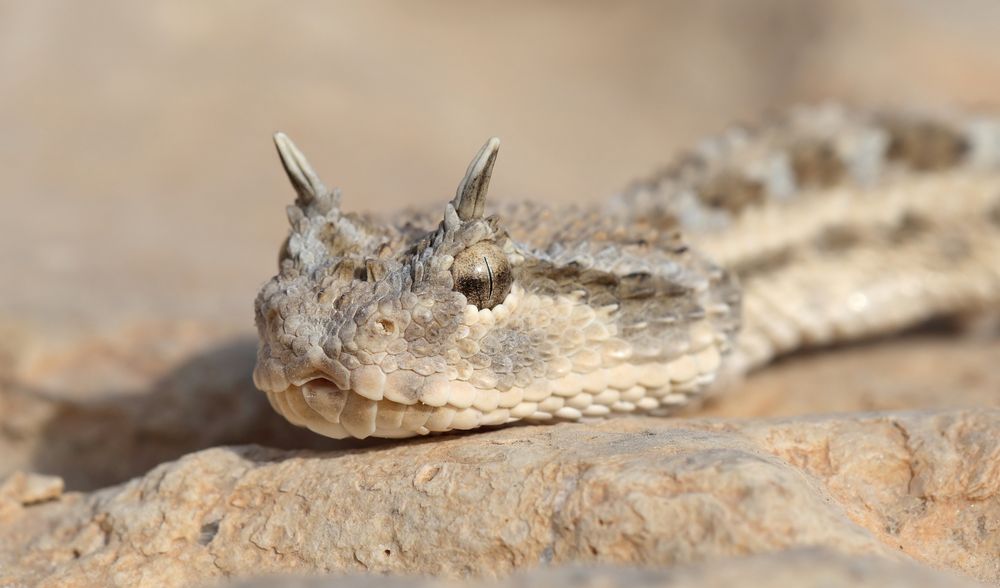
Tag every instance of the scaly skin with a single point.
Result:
(837, 225)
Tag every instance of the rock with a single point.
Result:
(158, 390)
(641, 491)
(114, 218)
(807, 568)
(102, 408)
(25, 489)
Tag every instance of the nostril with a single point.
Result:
(387, 326)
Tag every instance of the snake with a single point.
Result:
(819, 226)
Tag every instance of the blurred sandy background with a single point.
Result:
(139, 180)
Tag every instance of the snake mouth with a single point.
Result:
(320, 405)
(324, 408)
(367, 401)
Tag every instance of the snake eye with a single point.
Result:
(482, 274)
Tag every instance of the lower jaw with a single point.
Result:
(325, 409)
(339, 414)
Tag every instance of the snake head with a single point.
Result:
(447, 322)
(365, 320)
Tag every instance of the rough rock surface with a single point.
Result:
(141, 186)
(152, 391)
(629, 491)
(806, 568)
(156, 391)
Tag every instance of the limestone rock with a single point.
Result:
(638, 491)
(25, 489)
(105, 407)
(155, 391)
(806, 568)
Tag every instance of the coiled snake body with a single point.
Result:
(824, 226)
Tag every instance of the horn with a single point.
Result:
(305, 181)
(470, 199)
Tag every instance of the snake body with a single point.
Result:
(823, 226)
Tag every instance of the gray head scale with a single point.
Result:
(363, 311)
(445, 322)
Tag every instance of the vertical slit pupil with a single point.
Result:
(489, 272)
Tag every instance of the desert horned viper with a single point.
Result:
(823, 226)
